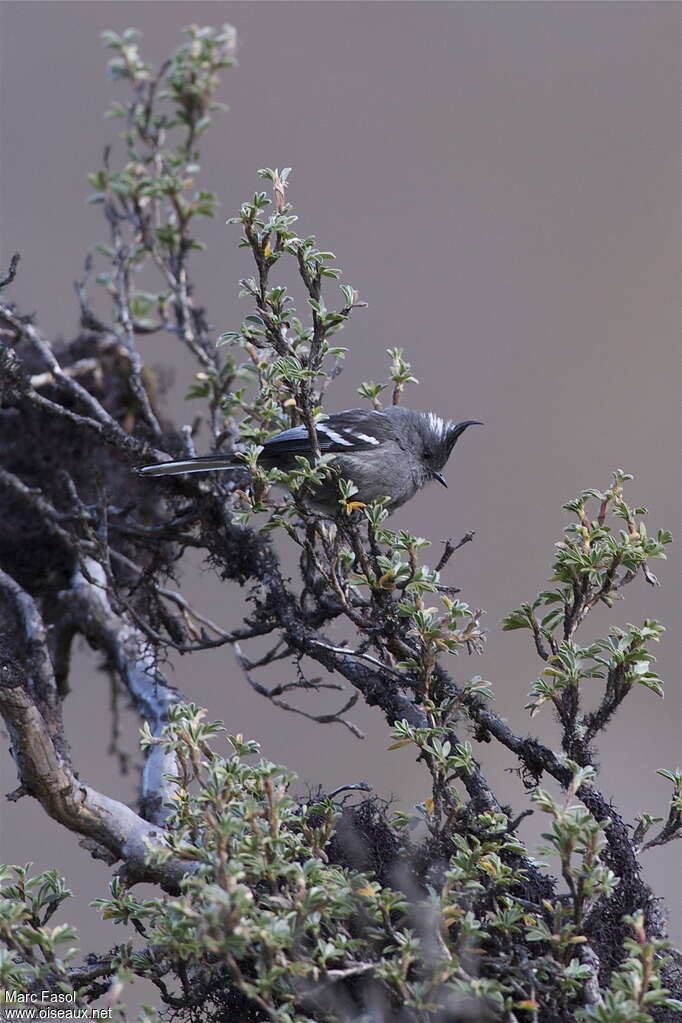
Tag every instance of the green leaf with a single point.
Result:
(229, 337)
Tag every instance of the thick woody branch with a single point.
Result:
(70, 801)
(45, 774)
(43, 684)
(135, 660)
(535, 757)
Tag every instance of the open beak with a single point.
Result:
(441, 479)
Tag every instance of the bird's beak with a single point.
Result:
(441, 479)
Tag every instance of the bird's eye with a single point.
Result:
(427, 454)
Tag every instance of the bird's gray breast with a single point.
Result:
(388, 474)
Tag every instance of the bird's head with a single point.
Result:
(437, 437)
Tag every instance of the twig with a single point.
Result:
(271, 694)
(76, 369)
(361, 656)
(450, 549)
(108, 426)
(9, 275)
(358, 786)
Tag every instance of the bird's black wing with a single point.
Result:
(354, 429)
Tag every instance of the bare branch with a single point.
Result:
(47, 776)
(450, 549)
(76, 369)
(135, 660)
(273, 695)
(8, 276)
(69, 800)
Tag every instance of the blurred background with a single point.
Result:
(501, 183)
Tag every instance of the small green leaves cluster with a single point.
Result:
(622, 659)
(578, 840)
(400, 373)
(155, 191)
(676, 778)
(289, 357)
(672, 827)
(592, 562)
(636, 987)
(34, 955)
(448, 629)
(187, 81)
(481, 895)
(299, 482)
(36, 958)
(394, 567)
(482, 866)
(447, 760)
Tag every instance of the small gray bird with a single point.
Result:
(391, 452)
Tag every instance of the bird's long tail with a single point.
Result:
(202, 463)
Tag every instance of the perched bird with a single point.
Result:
(390, 452)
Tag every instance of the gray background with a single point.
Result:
(500, 181)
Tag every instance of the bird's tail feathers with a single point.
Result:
(202, 463)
